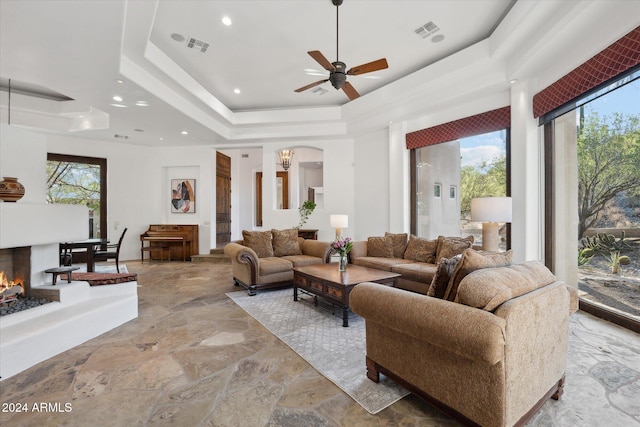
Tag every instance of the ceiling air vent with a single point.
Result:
(117, 136)
(427, 29)
(320, 90)
(197, 44)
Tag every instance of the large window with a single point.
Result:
(592, 161)
(80, 181)
(448, 175)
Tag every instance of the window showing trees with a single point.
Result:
(469, 167)
(79, 181)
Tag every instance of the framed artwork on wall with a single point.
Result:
(183, 196)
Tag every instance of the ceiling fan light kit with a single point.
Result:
(337, 73)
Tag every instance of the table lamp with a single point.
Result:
(490, 211)
(339, 222)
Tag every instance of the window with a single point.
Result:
(80, 181)
(475, 166)
(592, 153)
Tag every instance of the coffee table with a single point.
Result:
(325, 281)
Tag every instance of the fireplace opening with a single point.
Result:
(15, 285)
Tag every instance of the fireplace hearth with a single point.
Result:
(21, 303)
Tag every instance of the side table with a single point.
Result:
(61, 270)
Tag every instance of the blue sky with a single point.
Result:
(476, 149)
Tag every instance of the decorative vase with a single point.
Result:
(10, 189)
(342, 264)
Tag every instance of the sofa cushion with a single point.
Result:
(380, 247)
(451, 246)
(416, 271)
(272, 265)
(399, 242)
(473, 260)
(488, 288)
(259, 241)
(285, 242)
(421, 250)
(302, 260)
(380, 263)
(443, 274)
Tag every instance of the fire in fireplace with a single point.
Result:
(9, 289)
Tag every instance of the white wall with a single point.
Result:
(139, 186)
(371, 182)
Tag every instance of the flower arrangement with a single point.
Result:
(342, 246)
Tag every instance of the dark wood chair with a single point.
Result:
(110, 253)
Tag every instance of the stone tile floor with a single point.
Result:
(193, 358)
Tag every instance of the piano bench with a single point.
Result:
(154, 248)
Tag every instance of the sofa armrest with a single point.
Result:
(358, 249)
(466, 331)
(244, 262)
(317, 248)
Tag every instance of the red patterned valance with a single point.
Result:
(617, 58)
(474, 125)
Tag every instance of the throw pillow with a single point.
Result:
(451, 246)
(473, 260)
(380, 247)
(285, 242)
(259, 241)
(399, 242)
(421, 250)
(443, 274)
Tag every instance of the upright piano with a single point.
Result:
(181, 239)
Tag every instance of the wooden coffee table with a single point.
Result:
(325, 281)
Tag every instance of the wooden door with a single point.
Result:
(283, 181)
(223, 199)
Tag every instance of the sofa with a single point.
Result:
(490, 353)
(265, 259)
(414, 258)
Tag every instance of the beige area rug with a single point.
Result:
(315, 334)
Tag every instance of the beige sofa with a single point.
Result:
(265, 259)
(489, 356)
(414, 258)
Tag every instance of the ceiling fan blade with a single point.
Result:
(320, 59)
(309, 86)
(351, 92)
(380, 64)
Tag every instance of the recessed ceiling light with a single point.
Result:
(178, 37)
(437, 38)
(226, 20)
(118, 105)
(161, 139)
(236, 90)
(117, 98)
(142, 103)
(184, 132)
(119, 81)
(512, 81)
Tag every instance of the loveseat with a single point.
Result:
(490, 354)
(265, 259)
(414, 258)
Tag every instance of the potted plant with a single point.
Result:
(305, 211)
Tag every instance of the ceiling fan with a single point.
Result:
(338, 75)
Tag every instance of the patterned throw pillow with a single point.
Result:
(259, 241)
(380, 247)
(285, 242)
(451, 246)
(399, 242)
(421, 250)
(440, 281)
(471, 261)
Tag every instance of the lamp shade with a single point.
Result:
(491, 209)
(339, 221)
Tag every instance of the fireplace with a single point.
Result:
(15, 268)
